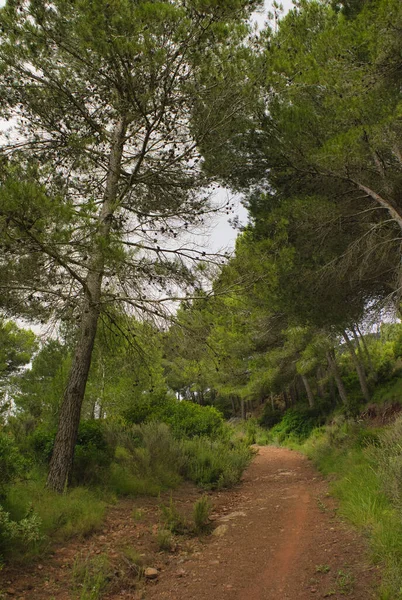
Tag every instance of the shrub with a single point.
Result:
(78, 512)
(201, 511)
(41, 442)
(388, 456)
(186, 419)
(21, 534)
(298, 422)
(214, 463)
(12, 464)
(172, 519)
(165, 540)
(91, 576)
(270, 416)
(93, 455)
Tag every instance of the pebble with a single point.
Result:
(151, 573)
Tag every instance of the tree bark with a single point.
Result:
(320, 386)
(337, 376)
(358, 345)
(310, 394)
(359, 368)
(63, 451)
(367, 352)
(243, 409)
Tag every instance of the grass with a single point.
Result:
(61, 516)
(201, 511)
(172, 519)
(146, 461)
(165, 540)
(358, 472)
(91, 577)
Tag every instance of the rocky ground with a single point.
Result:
(275, 536)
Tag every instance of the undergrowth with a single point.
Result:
(367, 465)
(135, 460)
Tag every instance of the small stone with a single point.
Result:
(40, 567)
(10, 591)
(313, 590)
(181, 573)
(151, 573)
(220, 531)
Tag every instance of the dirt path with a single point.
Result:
(280, 539)
(276, 537)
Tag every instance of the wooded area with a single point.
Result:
(119, 122)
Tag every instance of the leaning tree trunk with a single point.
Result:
(63, 451)
(359, 368)
(367, 353)
(310, 394)
(337, 376)
(243, 409)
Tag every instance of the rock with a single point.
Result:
(233, 515)
(181, 573)
(11, 591)
(151, 573)
(220, 531)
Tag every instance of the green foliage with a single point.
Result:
(270, 416)
(298, 423)
(12, 463)
(215, 463)
(91, 576)
(172, 519)
(164, 539)
(93, 455)
(366, 470)
(18, 535)
(185, 418)
(78, 512)
(201, 511)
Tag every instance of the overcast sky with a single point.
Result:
(221, 234)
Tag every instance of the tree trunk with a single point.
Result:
(320, 386)
(233, 405)
(359, 368)
(337, 376)
(310, 395)
(367, 353)
(63, 451)
(272, 401)
(243, 409)
(332, 391)
(358, 345)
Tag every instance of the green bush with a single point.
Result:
(201, 511)
(12, 463)
(366, 471)
(270, 417)
(186, 419)
(215, 463)
(41, 441)
(22, 534)
(93, 455)
(297, 422)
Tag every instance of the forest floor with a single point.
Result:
(276, 536)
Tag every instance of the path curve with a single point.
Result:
(281, 540)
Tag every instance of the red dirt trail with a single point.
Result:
(280, 539)
(283, 541)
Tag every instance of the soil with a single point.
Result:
(276, 536)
